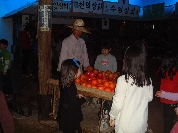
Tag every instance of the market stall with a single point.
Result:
(54, 88)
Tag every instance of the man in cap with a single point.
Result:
(74, 46)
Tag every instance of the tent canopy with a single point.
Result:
(30, 8)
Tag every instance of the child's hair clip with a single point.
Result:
(77, 64)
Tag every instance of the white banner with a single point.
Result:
(25, 21)
(45, 17)
(61, 6)
(124, 2)
(87, 6)
(105, 23)
(111, 8)
(134, 11)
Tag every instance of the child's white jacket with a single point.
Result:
(130, 106)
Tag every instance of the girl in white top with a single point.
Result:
(129, 111)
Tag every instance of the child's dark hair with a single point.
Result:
(105, 45)
(69, 68)
(168, 65)
(135, 66)
(4, 42)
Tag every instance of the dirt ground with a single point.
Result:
(90, 123)
(32, 124)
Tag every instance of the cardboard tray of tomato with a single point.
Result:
(85, 90)
(94, 92)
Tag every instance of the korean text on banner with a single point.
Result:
(45, 17)
(87, 6)
(61, 6)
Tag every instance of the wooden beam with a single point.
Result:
(44, 44)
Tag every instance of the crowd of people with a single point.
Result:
(128, 112)
(134, 89)
(6, 119)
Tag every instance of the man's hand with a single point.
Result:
(176, 110)
(111, 122)
(158, 94)
(80, 96)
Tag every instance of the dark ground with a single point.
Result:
(28, 87)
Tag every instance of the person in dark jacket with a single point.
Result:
(69, 111)
(26, 43)
(6, 119)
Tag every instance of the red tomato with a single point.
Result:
(107, 72)
(101, 87)
(99, 80)
(95, 71)
(100, 75)
(77, 80)
(93, 81)
(89, 68)
(106, 84)
(110, 75)
(112, 90)
(112, 85)
(83, 84)
(87, 74)
(104, 74)
(108, 89)
(89, 79)
(88, 85)
(94, 86)
(82, 77)
(92, 75)
(116, 75)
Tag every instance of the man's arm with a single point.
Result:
(63, 55)
(167, 95)
(85, 57)
(6, 66)
(7, 62)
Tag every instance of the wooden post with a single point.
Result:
(44, 54)
(44, 45)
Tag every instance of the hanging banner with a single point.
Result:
(176, 8)
(153, 11)
(158, 10)
(61, 6)
(25, 21)
(111, 8)
(105, 23)
(169, 10)
(124, 2)
(134, 11)
(147, 11)
(45, 17)
(87, 6)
